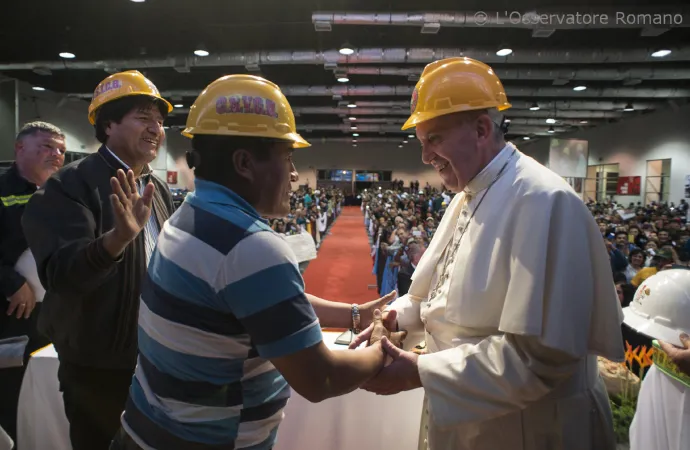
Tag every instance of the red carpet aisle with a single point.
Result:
(342, 269)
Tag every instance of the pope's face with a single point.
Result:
(452, 143)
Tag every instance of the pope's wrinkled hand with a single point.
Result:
(390, 322)
(367, 310)
(398, 376)
(379, 331)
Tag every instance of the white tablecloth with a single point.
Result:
(359, 420)
(303, 246)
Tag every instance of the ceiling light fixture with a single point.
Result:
(400, 146)
(629, 107)
(504, 52)
(354, 145)
(404, 142)
(355, 134)
(67, 55)
(411, 136)
(38, 88)
(550, 120)
(534, 107)
(661, 53)
(346, 49)
(201, 52)
(343, 79)
(583, 122)
(353, 127)
(526, 138)
(353, 118)
(179, 105)
(551, 130)
(138, 1)
(579, 88)
(351, 105)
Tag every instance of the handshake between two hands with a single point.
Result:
(399, 370)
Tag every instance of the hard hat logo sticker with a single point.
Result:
(105, 87)
(413, 102)
(237, 104)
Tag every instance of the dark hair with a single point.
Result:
(31, 128)
(212, 156)
(619, 277)
(116, 110)
(632, 253)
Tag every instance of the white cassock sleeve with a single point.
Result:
(499, 375)
(409, 320)
(560, 305)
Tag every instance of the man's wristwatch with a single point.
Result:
(355, 319)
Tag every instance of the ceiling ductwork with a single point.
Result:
(362, 56)
(360, 140)
(431, 22)
(512, 112)
(622, 74)
(567, 110)
(398, 121)
(406, 91)
(374, 128)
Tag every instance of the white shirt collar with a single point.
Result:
(487, 175)
(118, 158)
(147, 168)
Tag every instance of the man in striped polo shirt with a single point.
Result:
(225, 327)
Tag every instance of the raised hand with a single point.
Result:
(131, 210)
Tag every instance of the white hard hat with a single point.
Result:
(661, 306)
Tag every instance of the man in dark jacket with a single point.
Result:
(39, 152)
(92, 242)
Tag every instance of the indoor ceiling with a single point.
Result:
(296, 45)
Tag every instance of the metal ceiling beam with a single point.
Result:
(513, 121)
(383, 90)
(512, 112)
(419, 55)
(368, 128)
(549, 19)
(600, 110)
(580, 74)
(521, 104)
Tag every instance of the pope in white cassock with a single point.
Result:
(514, 295)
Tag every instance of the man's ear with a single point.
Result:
(484, 127)
(18, 146)
(244, 164)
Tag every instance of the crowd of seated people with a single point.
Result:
(311, 211)
(401, 223)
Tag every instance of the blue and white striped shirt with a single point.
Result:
(223, 294)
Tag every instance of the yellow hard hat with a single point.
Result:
(243, 105)
(120, 85)
(454, 85)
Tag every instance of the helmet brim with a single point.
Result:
(651, 329)
(419, 117)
